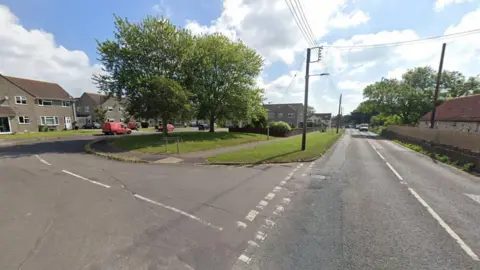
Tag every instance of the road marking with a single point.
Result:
(277, 189)
(283, 183)
(269, 223)
(286, 200)
(244, 258)
(474, 197)
(449, 230)
(251, 215)
(252, 243)
(394, 171)
(287, 178)
(262, 204)
(241, 225)
(260, 236)
(269, 196)
(380, 155)
(304, 174)
(278, 210)
(178, 211)
(86, 179)
(42, 160)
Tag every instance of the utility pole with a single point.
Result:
(338, 116)
(305, 104)
(437, 87)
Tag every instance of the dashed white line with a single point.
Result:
(241, 225)
(277, 189)
(380, 155)
(269, 196)
(86, 179)
(286, 200)
(178, 211)
(278, 210)
(269, 223)
(252, 243)
(42, 160)
(394, 171)
(251, 215)
(283, 183)
(449, 230)
(474, 197)
(244, 258)
(260, 236)
(262, 204)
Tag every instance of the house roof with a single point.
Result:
(461, 109)
(40, 89)
(294, 106)
(97, 98)
(6, 111)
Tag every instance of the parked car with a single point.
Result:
(363, 127)
(93, 125)
(114, 128)
(357, 126)
(193, 124)
(203, 126)
(170, 127)
(133, 125)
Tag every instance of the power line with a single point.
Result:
(293, 79)
(409, 42)
(305, 20)
(299, 24)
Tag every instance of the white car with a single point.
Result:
(363, 127)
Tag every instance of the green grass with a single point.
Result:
(190, 141)
(282, 151)
(50, 134)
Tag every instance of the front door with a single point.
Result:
(68, 122)
(5, 125)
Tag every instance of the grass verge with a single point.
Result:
(444, 159)
(50, 134)
(281, 151)
(189, 141)
(89, 149)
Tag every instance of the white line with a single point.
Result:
(251, 215)
(178, 211)
(449, 230)
(252, 243)
(394, 171)
(283, 183)
(380, 155)
(287, 178)
(86, 179)
(241, 225)
(260, 236)
(474, 197)
(42, 160)
(277, 189)
(286, 200)
(262, 204)
(244, 259)
(304, 174)
(269, 196)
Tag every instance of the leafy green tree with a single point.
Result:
(223, 73)
(137, 56)
(310, 111)
(100, 114)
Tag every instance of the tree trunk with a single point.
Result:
(164, 126)
(212, 124)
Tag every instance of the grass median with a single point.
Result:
(281, 151)
(50, 134)
(189, 141)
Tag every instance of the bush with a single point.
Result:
(144, 124)
(42, 128)
(468, 167)
(280, 127)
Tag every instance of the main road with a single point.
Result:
(367, 204)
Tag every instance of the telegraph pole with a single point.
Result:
(305, 104)
(338, 116)
(437, 87)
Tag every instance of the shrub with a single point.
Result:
(280, 127)
(42, 128)
(144, 124)
(468, 167)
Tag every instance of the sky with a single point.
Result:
(56, 40)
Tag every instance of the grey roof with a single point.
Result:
(40, 89)
(6, 111)
(97, 98)
(294, 106)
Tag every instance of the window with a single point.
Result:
(79, 108)
(21, 100)
(110, 108)
(280, 114)
(49, 120)
(23, 120)
(65, 103)
(291, 115)
(43, 102)
(87, 109)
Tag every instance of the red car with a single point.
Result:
(170, 128)
(114, 128)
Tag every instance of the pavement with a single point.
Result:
(61, 208)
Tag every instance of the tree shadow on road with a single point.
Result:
(72, 146)
(266, 160)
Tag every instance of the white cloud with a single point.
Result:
(342, 20)
(353, 85)
(162, 9)
(396, 73)
(268, 26)
(441, 4)
(34, 54)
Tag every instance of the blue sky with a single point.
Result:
(55, 40)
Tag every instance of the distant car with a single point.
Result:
(363, 127)
(132, 125)
(193, 124)
(93, 125)
(357, 126)
(114, 128)
(170, 127)
(203, 126)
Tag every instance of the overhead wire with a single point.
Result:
(310, 42)
(305, 21)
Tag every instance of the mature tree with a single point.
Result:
(223, 73)
(100, 114)
(138, 55)
(310, 111)
(256, 112)
(472, 86)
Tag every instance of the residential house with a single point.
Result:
(324, 119)
(461, 114)
(290, 113)
(26, 104)
(88, 102)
